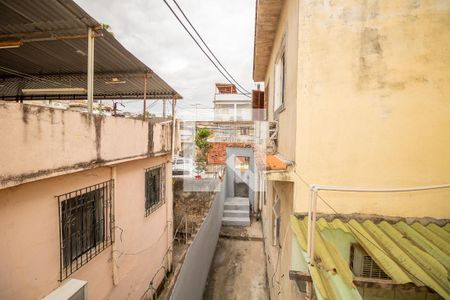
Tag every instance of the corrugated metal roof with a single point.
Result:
(57, 62)
(408, 253)
(30, 18)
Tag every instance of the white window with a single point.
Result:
(280, 65)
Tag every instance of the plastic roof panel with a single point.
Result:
(408, 253)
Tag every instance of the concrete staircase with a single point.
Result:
(236, 212)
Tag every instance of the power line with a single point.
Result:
(201, 48)
(206, 45)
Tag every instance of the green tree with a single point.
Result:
(203, 146)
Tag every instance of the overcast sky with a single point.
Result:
(150, 31)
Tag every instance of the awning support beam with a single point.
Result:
(144, 113)
(174, 101)
(90, 70)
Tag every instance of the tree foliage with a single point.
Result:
(203, 146)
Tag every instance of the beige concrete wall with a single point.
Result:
(287, 39)
(29, 229)
(40, 142)
(373, 103)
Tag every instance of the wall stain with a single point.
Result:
(98, 134)
(51, 111)
(25, 113)
(371, 65)
(150, 137)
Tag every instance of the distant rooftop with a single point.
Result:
(225, 88)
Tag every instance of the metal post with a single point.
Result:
(174, 100)
(114, 108)
(164, 108)
(144, 113)
(90, 70)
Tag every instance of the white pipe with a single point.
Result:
(90, 70)
(318, 187)
(312, 212)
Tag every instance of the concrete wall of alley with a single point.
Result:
(30, 257)
(369, 87)
(191, 280)
(41, 142)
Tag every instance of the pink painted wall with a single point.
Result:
(29, 230)
(42, 142)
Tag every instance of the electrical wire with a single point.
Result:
(201, 48)
(206, 45)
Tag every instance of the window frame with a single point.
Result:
(279, 89)
(151, 206)
(95, 200)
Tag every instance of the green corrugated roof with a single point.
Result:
(407, 253)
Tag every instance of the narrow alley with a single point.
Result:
(238, 270)
(224, 150)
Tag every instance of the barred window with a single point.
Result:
(154, 188)
(86, 222)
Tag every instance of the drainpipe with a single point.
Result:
(312, 212)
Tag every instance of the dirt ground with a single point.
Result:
(238, 270)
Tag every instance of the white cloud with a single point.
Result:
(150, 31)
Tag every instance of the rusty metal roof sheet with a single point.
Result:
(408, 253)
(49, 59)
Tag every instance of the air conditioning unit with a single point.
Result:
(72, 289)
(363, 265)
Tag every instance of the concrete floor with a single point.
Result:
(238, 270)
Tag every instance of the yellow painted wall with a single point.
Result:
(372, 102)
(371, 108)
(287, 39)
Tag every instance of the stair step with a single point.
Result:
(237, 206)
(236, 200)
(236, 221)
(236, 213)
